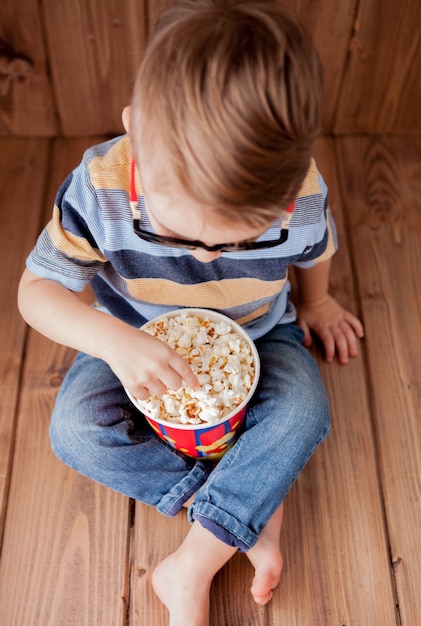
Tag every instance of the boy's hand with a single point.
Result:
(146, 365)
(336, 327)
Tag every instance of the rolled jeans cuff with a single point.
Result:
(226, 528)
(173, 501)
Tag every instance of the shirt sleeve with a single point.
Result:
(67, 250)
(314, 224)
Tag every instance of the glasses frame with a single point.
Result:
(188, 244)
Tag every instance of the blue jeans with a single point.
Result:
(97, 431)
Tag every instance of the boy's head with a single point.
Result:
(230, 91)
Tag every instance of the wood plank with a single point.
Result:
(64, 559)
(154, 10)
(23, 168)
(231, 600)
(93, 72)
(334, 541)
(381, 91)
(369, 50)
(381, 179)
(154, 538)
(73, 532)
(26, 98)
(330, 25)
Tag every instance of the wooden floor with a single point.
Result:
(75, 553)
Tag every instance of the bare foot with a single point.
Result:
(182, 581)
(267, 560)
(186, 598)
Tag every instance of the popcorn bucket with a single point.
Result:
(204, 440)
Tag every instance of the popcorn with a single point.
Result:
(222, 361)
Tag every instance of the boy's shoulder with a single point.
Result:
(313, 184)
(108, 152)
(108, 163)
(312, 199)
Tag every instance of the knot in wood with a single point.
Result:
(383, 213)
(55, 379)
(14, 67)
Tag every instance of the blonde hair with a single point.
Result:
(233, 90)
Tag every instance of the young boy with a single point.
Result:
(220, 129)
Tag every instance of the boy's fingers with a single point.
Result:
(329, 344)
(141, 393)
(328, 340)
(183, 369)
(352, 341)
(171, 379)
(346, 342)
(342, 347)
(355, 324)
(307, 341)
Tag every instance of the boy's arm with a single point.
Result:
(317, 311)
(143, 363)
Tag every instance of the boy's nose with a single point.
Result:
(204, 256)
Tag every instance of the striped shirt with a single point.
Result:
(90, 239)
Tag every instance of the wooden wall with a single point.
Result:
(67, 66)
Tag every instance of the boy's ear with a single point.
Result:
(125, 116)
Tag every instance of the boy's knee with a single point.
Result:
(63, 437)
(314, 409)
(71, 429)
(302, 408)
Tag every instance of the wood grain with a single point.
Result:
(68, 67)
(64, 559)
(381, 91)
(154, 538)
(26, 99)
(330, 24)
(231, 600)
(336, 566)
(94, 49)
(65, 555)
(23, 168)
(381, 179)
